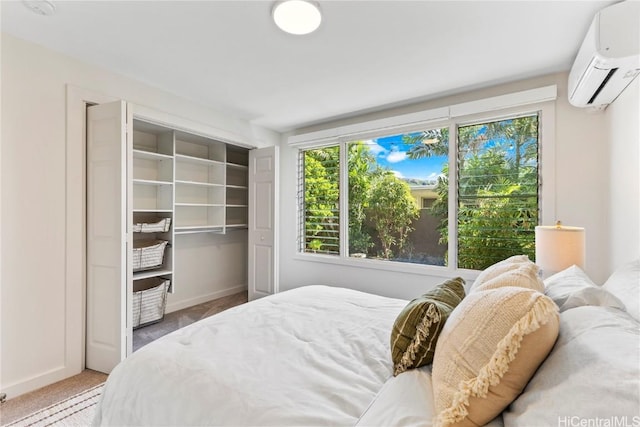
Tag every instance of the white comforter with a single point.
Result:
(307, 357)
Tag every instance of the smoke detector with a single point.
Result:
(40, 7)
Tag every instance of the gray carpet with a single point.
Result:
(182, 318)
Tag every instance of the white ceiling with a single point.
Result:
(229, 55)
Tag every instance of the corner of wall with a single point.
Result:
(623, 138)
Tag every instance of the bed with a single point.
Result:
(320, 356)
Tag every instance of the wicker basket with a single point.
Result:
(149, 301)
(148, 254)
(161, 226)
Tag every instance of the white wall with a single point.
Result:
(41, 313)
(208, 266)
(581, 185)
(623, 193)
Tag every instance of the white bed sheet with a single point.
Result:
(311, 356)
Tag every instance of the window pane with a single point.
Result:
(497, 191)
(321, 201)
(397, 197)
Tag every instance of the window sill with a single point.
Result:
(397, 267)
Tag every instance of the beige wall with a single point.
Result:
(623, 192)
(41, 313)
(580, 191)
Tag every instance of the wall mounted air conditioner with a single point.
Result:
(609, 58)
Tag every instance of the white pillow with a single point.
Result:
(591, 373)
(404, 400)
(624, 283)
(572, 288)
(407, 401)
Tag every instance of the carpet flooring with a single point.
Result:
(76, 411)
(21, 406)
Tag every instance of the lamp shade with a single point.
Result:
(559, 247)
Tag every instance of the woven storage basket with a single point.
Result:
(161, 226)
(148, 254)
(149, 301)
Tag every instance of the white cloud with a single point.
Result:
(396, 156)
(375, 148)
(398, 174)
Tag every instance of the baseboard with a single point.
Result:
(179, 305)
(37, 381)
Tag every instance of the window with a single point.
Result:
(457, 186)
(426, 202)
(498, 182)
(397, 206)
(321, 200)
(387, 179)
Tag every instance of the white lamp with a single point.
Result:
(297, 16)
(559, 247)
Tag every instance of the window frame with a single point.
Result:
(546, 190)
(476, 119)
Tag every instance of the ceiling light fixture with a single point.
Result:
(40, 7)
(297, 16)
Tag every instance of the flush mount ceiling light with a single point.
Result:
(297, 16)
(40, 7)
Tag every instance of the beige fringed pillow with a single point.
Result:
(500, 267)
(488, 350)
(417, 327)
(515, 271)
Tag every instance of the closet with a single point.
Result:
(158, 194)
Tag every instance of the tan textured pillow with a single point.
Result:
(527, 275)
(488, 350)
(500, 267)
(417, 327)
(524, 275)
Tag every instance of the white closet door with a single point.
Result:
(263, 201)
(107, 248)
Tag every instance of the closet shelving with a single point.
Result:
(200, 184)
(237, 188)
(153, 191)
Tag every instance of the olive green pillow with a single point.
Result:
(416, 329)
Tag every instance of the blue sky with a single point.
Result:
(391, 153)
